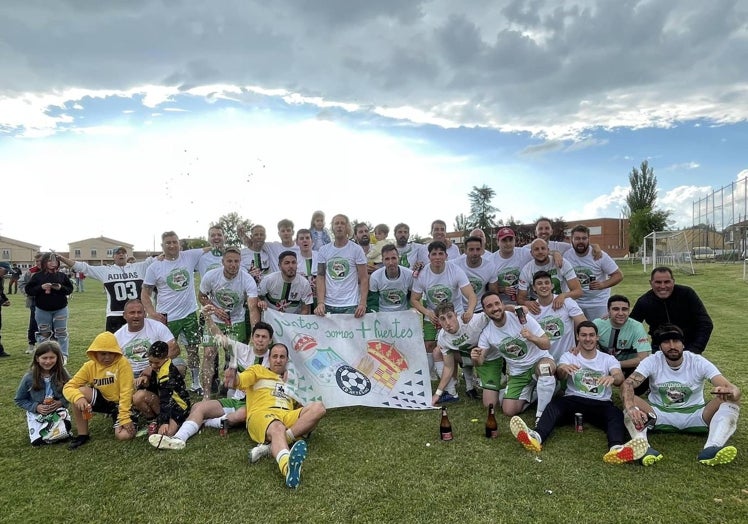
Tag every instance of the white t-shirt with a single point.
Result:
(135, 344)
(600, 270)
(287, 297)
(252, 259)
(479, 278)
(393, 293)
(559, 325)
(274, 249)
(466, 337)
(175, 282)
(508, 269)
(681, 390)
(341, 273)
(583, 382)
(121, 283)
(228, 293)
(506, 341)
(210, 260)
(559, 277)
(442, 287)
(412, 253)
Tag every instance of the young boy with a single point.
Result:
(164, 395)
(102, 385)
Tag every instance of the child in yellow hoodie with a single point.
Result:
(104, 384)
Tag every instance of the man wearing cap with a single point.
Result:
(4, 302)
(122, 282)
(676, 398)
(509, 262)
(668, 302)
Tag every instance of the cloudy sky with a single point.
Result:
(128, 118)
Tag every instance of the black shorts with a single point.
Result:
(100, 404)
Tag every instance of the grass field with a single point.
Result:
(373, 465)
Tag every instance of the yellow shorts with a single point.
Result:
(257, 423)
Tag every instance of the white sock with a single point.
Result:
(546, 387)
(452, 387)
(635, 433)
(290, 437)
(723, 424)
(214, 422)
(467, 372)
(282, 453)
(188, 429)
(195, 376)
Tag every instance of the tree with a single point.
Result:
(462, 223)
(229, 223)
(644, 217)
(482, 213)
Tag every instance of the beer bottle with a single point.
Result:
(445, 428)
(492, 428)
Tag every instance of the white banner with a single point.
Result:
(377, 360)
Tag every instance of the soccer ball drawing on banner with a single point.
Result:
(352, 381)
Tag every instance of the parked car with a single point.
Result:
(703, 253)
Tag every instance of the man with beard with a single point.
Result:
(509, 261)
(480, 272)
(676, 398)
(524, 346)
(412, 255)
(233, 292)
(595, 276)
(285, 290)
(565, 281)
(668, 302)
(590, 376)
(342, 280)
(362, 238)
(390, 286)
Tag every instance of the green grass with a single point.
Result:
(368, 465)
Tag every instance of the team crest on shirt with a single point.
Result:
(137, 349)
(585, 380)
(178, 279)
(338, 268)
(674, 393)
(553, 326)
(476, 283)
(226, 298)
(509, 278)
(513, 348)
(439, 293)
(393, 297)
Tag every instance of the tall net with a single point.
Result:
(668, 248)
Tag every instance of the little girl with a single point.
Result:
(320, 236)
(40, 394)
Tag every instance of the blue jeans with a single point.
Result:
(53, 323)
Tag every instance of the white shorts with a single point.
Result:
(674, 421)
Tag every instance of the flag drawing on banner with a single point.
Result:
(377, 360)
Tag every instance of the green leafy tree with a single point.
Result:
(643, 215)
(482, 213)
(230, 224)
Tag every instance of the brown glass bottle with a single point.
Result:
(445, 427)
(492, 428)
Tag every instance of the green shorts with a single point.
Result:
(519, 387)
(236, 332)
(187, 325)
(429, 331)
(232, 403)
(490, 374)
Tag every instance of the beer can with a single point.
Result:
(520, 314)
(224, 429)
(578, 422)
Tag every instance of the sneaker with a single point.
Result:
(473, 394)
(651, 456)
(30, 349)
(526, 436)
(632, 450)
(258, 452)
(295, 460)
(446, 397)
(78, 441)
(197, 390)
(715, 455)
(165, 442)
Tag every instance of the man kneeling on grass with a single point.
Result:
(271, 418)
(676, 398)
(590, 375)
(102, 385)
